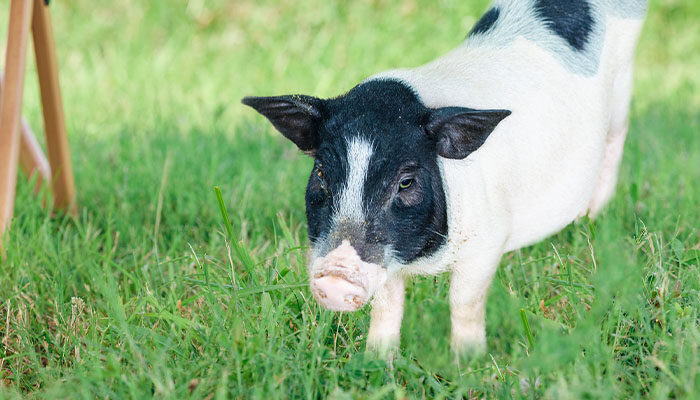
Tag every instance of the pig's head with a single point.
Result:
(375, 197)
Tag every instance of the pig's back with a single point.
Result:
(541, 164)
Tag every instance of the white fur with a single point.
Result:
(387, 312)
(555, 158)
(350, 207)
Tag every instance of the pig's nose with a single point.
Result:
(337, 294)
(341, 281)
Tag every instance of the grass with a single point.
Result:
(149, 292)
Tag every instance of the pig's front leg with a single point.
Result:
(469, 287)
(386, 315)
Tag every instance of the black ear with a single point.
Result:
(296, 116)
(459, 131)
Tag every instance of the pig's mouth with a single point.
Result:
(341, 281)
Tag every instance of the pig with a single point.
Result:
(495, 145)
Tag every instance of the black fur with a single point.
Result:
(486, 22)
(389, 115)
(570, 19)
(460, 131)
(407, 138)
(296, 117)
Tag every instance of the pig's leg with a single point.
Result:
(615, 142)
(469, 287)
(608, 173)
(386, 315)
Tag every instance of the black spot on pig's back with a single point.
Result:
(572, 20)
(486, 22)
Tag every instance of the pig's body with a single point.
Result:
(566, 76)
(541, 166)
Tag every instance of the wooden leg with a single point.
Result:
(11, 105)
(31, 158)
(57, 148)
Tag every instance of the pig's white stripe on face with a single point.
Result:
(350, 206)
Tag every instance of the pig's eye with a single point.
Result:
(319, 173)
(321, 179)
(405, 183)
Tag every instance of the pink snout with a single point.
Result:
(341, 281)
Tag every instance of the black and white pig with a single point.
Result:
(445, 167)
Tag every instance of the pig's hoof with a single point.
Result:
(337, 293)
(468, 347)
(386, 354)
(384, 347)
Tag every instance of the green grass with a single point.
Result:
(148, 292)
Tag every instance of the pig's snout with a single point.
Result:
(341, 281)
(338, 294)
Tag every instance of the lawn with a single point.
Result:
(149, 292)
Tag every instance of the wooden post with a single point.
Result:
(11, 105)
(63, 185)
(17, 142)
(31, 157)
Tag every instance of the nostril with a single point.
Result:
(338, 294)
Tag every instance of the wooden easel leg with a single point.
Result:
(54, 121)
(11, 105)
(31, 157)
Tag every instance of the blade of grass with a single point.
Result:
(526, 326)
(246, 292)
(241, 253)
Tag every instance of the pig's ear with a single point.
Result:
(297, 117)
(459, 131)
